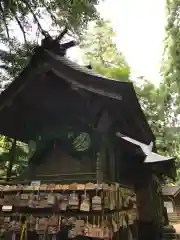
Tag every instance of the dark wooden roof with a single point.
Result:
(171, 190)
(33, 90)
(166, 168)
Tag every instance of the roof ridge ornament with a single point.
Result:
(62, 34)
(55, 45)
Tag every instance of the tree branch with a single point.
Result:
(49, 11)
(7, 32)
(4, 21)
(61, 35)
(35, 18)
(22, 29)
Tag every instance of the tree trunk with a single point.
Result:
(12, 154)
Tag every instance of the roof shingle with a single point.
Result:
(170, 190)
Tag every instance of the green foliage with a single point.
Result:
(171, 63)
(117, 73)
(14, 62)
(160, 117)
(20, 159)
(77, 13)
(171, 74)
(74, 13)
(102, 52)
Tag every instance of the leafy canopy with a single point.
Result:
(101, 51)
(73, 13)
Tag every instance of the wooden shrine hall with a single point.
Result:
(70, 116)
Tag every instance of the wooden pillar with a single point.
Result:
(148, 213)
(144, 203)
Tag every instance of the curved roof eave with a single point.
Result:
(85, 77)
